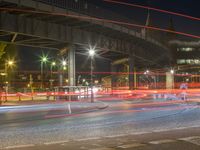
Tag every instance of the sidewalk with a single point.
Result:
(24, 100)
(71, 107)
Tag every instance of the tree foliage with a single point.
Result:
(2, 49)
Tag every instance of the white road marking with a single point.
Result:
(174, 129)
(83, 147)
(103, 148)
(189, 138)
(139, 133)
(193, 139)
(69, 108)
(162, 141)
(113, 136)
(131, 145)
(55, 142)
(19, 146)
(87, 139)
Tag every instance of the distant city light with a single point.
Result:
(53, 63)
(64, 63)
(146, 72)
(172, 71)
(64, 68)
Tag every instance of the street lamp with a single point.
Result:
(53, 64)
(64, 63)
(43, 60)
(172, 71)
(91, 54)
(8, 64)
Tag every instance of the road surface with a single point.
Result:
(123, 125)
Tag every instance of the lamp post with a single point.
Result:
(8, 63)
(64, 63)
(51, 70)
(91, 54)
(43, 60)
(52, 65)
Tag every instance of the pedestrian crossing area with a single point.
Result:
(114, 143)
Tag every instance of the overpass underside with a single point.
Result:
(39, 24)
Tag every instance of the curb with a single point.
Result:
(53, 107)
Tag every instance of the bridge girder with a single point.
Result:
(30, 28)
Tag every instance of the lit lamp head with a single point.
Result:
(10, 63)
(91, 52)
(172, 71)
(53, 63)
(64, 68)
(64, 63)
(44, 59)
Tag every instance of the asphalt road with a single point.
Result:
(126, 120)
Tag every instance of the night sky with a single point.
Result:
(189, 7)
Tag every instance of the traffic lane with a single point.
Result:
(138, 113)
(28, 114)
(177, 139)
(92, 127)
(150, 103)
(101, 119)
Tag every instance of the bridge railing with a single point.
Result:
(86, 8)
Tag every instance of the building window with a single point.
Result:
(181, 61)
(188, 61)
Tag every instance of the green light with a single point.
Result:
(44, 59)
(53, 63)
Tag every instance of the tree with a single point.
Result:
(2, 49)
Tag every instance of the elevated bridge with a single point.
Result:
(73, 25)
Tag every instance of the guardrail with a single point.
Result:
(57, 93)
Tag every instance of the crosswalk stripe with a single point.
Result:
(55, 142)
(103, 148)
(193, 139)
(19, 146)
(131, 145)
(162, 141)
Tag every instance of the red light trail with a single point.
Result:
(151, 8)
(98, 19)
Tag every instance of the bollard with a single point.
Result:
(0, 99)
(32, 96)
(6, 97)
(19, 98)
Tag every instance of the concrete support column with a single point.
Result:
(71, 65)
(60, 76)
(169, 80)
(131, 72)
